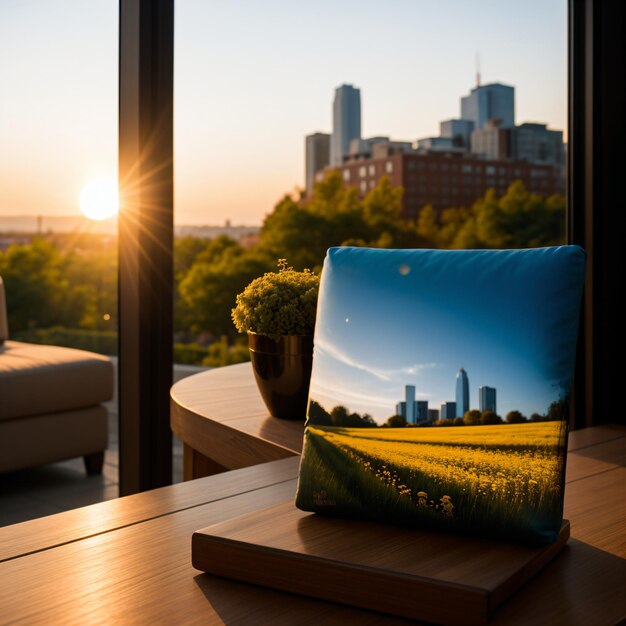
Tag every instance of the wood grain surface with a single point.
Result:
(129, 560)
(47, 532)
(446, 579)
(219, 414)
(143, 574)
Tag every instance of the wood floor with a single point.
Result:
(36, 492)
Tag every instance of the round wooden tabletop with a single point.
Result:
(223, 423)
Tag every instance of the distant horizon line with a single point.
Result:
(112, 220)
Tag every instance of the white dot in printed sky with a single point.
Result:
(404, 269)
(347, 320)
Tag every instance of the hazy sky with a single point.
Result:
(252, 78)
(379, 330)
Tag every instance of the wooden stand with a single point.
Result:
(411, 573)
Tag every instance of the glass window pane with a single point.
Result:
(58, 239)
(276, 127)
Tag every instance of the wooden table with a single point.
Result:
(221, 419)
(128, 560)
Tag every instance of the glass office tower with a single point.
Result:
(462, 393)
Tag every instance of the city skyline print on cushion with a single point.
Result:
(439, 389)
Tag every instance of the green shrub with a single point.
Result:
(100, 341)
(221, 353)
(278, 303)
(218, 354)
(189, 353)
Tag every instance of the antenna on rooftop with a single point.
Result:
(478, 69)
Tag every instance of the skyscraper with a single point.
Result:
(414, 411)
(491, 141)
(407, 408)
(448, 410)
(316, 156)
(409, 398)
(487, 399)
(462, 393)
(536, 144)
(459, 130)
(346, 122)
(487, 102)
(421, 411)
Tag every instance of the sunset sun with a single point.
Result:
(99, 199)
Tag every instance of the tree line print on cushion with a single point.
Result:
(341, 416)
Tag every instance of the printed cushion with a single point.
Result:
(440, 387)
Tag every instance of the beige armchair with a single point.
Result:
(51, 403)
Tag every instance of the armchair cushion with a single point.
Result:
(40, 379)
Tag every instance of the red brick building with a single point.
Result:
(446, 180)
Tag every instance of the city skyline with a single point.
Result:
(429, 382)
(417, 411)
(245, 115)
(429, 169)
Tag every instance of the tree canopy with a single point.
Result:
(471, 418)
(396, 421)
(490, 417)
(518, 219)
(515, 417)
(557, 410)
(48, 284)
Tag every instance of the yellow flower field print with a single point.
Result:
(506, 478)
